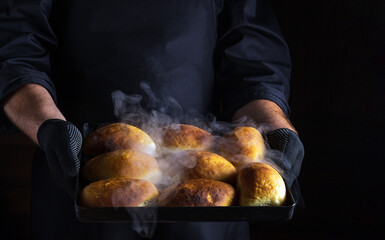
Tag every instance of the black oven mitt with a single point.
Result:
(61, 141)
(289, 152)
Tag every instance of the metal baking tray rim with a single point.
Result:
(184, 214)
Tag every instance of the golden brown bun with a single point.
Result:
(260, 185)
(177, 137)
(241, 146)
(205, 164)
(118, 192)
(121, 163)
(197, 193)
(117, 136)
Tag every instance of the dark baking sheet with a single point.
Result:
(186, 214)
(183, 214)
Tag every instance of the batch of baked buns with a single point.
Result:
(127, 168)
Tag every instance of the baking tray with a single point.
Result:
(182, 214)
(187, 214)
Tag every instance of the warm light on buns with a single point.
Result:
(198, 193)
(177, 137)
(124, 168)
(208, 165)
(242, 145)
(121, 163)
(260, 185)
(118, 136)
(118, 192)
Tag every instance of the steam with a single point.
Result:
(160, 111)
(143, 220)
(165, 110)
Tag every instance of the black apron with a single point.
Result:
(118, 45)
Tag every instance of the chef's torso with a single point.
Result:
(117, 45)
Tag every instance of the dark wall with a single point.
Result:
(16, 154)
(338, 104)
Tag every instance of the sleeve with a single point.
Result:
(26, 38)
(252, 60)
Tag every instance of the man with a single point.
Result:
(60, 60)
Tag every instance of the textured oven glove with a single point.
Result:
(289, 152)
(61, 141)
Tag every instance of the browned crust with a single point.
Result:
(120, 163)
(117, 192)
(209, 165)
(116, 136)
(198, 193)
(242, 145)
(186, 137)
(260, 185)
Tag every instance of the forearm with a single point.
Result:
(29, 107)
(264, 112)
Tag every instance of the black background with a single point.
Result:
(338, 103)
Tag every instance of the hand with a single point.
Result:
(61, 141)
(290, 152)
